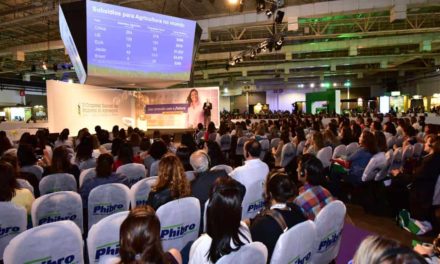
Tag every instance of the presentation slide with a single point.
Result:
(179, 108)
(129, 43)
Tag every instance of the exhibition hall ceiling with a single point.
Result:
(366, 46)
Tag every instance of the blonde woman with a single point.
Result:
(171, 183)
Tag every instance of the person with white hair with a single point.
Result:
(201, 185)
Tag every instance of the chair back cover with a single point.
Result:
(86, 174)
(109, 260)
(225, 142)
(253, 200)
(407, 153)
(13, 221)
(296, 245)
(389, 157)
(58, 242)
(300, 148)
(391, 141)
(133, 171)
(226, 168)
(288, 152)
(436, 197)
(107, 146)
(139, 193)
(399, 141)
(252, 253)
(103, 237)
(58, 206)
(417, 150)
(351, 148)
(154, 169)
(190, 176)
(340, 151)
(329, 223)
(25, 184)
(179, 222)
(34, 169)
(377, 163)
(106, 200)
(397, 162)
(57, 182)
(240, 145)
(265, 147)
(325, 155)
(274, 142)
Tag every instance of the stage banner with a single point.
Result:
(179, 108)
(76, 106)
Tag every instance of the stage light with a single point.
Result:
(44, 66)
(279, 42)
(70, 80)
(312, 85)
(279, 17)
(232, 62)
(300, 85)
(268, 13)
(335, 84)
(347, 84)
(233, 2)
(253, 54)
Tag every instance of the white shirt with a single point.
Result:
(199, 250)
(252, 170)
(195, 115)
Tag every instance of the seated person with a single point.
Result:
(171, 184)
(280, 214)
(225, 232)
(312, 195)
(104, 175)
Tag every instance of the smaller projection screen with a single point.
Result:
(179, 108)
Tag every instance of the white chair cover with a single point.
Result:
(13, 221)
(226, 168)
(274, 142)
(376, 164)
(253, 200)
(85, 175)
(103, 237)
(225, 142)
(329, 223)
(340, 151)
(107, 146)
(325, 155)
(152, 180)
(397, 162)
(389, 156)
(391, 141)
(58, 242)
(407, 153)
(240, 145)
(58, 206)
(300, 147)
(265, 147)
(190, 176)
(399, 141)
(34, 169)
(25, 184)
(109, 260)
(133, 171)
(436, 197)
(252, 253)
(154, 169)
(57, 182)
(351, 148)
(288, 152)
(418, 149)
(180, 222)
(296, 244)
(139, 193)
(106, 200)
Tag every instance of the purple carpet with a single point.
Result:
(352, 237)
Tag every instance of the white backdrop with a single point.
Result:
(76, 106)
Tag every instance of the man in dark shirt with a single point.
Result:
(207, 107)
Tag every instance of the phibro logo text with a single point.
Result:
(177, 231)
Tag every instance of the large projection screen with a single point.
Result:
(171, 108)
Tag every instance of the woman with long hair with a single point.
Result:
(195, 109)
(60, 163)
(359, 160)
(171, 184)
(10, 190)
(315, 144)
(63, 139)
(225, 232)
(125, 156)
(84, 154)
(139, 239)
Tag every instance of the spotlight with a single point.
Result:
(232, 62)
(271, 10)
(279, 17)
(233, 2)
(268, 13)
(279, 42)
(253, 54)
(261, 5)
(312, 85)
(44, 66)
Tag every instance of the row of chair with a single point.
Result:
(308, 242)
